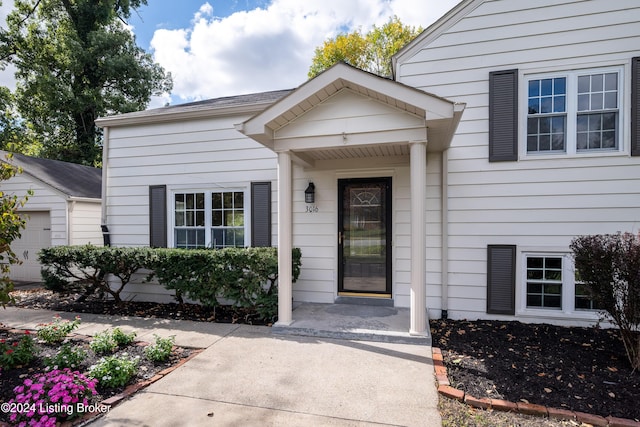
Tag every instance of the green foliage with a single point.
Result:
(76, 61)
(109, 341)
(67, 357)
(370, 52)
(114, 371)
(57, 330)
(160, 350)
(86, 269)
(18, 352)
(609, 266)
(11, 226)
(246, 276)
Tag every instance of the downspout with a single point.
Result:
(445, 233)
(105, 176)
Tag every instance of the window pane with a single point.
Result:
(583, 123)
(190, 201)
(534, 274)
(216, 218)
(560, 85)
(611, 100)
(583, 102)
(200, 201)
(534, 300)
(238, 200)
(189, 219)
(546, 87)
(544, 142)
(534, 288)
(534, 105)
(179, 202)
(552, 301)
(227, 200)
(532, 143)
(597, 83)
(596, 101)
(238, 219)
(216, 201)
(534, 88)
(611, 81)
(559, 104)
(546, 105)
(552, 289)
(553, 263)
(535, 262)
(180, 219)
(545, 125)
(594, 140)
(228, 218)
(200, 218)
(217, 240)
(582, 141)
(181, 238)
(609, 121)
(557, 142)
(609, 139)
(583, 84)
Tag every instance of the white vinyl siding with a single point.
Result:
(546, 200)
(85, 223)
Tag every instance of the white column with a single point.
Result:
(285, 317)
(418, 315)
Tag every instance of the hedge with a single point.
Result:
(245, 276)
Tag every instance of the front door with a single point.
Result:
(364, 237)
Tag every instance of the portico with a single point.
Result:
(348, 119)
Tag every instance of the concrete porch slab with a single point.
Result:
(352, 322)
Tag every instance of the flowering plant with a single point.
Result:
(45, 399)
(66, 357)
(18, 352)
(57, 331)
(114, 371)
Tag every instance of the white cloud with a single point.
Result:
(269, 48)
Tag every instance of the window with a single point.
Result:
(544, 282)
(209, 219)
(189, 228)
(574, 112)
(227, 224)
(551, 283)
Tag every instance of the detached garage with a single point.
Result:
(64, 209)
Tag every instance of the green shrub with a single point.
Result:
(246, 276)
(67, 357)
(57, 330)
(87, 269)
(161, 349)
(109, 341)
(114, 371)
(609, 266)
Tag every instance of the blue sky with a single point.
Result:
(220, 48)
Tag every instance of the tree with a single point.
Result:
(76, 61)
(609, 266)
(370, 52)
(11, 224)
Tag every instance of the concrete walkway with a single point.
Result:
(247, 376)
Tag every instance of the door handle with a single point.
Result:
(339, 237)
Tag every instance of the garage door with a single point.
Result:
(35, 236)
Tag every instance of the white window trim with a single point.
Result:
(568, 309)
(171, 220)
(570, 142)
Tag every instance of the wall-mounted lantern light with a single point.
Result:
(310, 193)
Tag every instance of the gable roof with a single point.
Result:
(438, 114)
(239, 104)
(69, 178)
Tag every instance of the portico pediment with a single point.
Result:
(346, 112)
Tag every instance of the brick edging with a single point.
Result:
(131, 389)
(445, 389)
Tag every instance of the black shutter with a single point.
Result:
(158, 216)
(503, 116)
(260, 214)
(635, 106)
(501, 279)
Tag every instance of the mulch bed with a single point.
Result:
(40, 298)
(579, 369)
